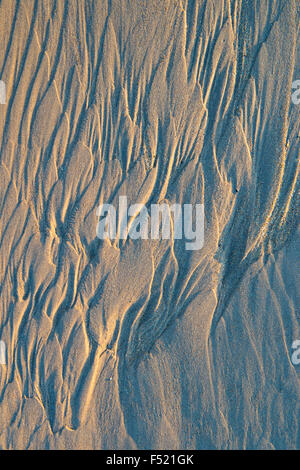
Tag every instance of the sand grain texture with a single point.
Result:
(143, 344)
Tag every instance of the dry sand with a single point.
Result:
(142, 344)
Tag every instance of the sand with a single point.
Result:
(142, 344)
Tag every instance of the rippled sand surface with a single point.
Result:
(142, 344)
